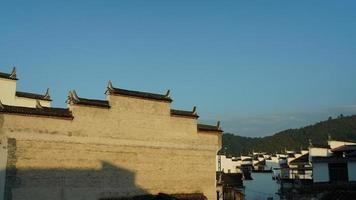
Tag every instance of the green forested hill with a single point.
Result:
(342, 128)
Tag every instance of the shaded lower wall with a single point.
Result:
(44, 170)
(3, 162)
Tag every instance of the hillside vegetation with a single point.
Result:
(342, 128)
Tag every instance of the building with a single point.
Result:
(295, 165)
(339, 164)
(133, 143)
(229, 186)
(325, 167)
(10, 96)
(228, 163)
(300, 168)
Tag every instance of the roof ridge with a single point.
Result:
(189, 113)
(11, 75)
(73, 98)
(205, 127)
(39, 111)
(111, 90)
(33, 95)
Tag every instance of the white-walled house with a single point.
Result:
(227, 164)
(336, 165)
(10, 96)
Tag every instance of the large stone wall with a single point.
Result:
(135, 147)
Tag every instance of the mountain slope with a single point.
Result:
(342, 128)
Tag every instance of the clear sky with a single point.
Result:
(258, 66)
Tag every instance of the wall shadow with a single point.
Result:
(66, 184)
(109, 182)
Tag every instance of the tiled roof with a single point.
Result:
(145, 95)
(332, 159)
(344, 148)
(204, 127)
(74, 99)
(343, 140)
(94, 102)
(230, 179)
(301, 160)
(185, 113)
(260, 162)
(11, 76)
(43, 111)
(326, 146)
(291, 155)
(44, 97)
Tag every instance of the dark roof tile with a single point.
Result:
(44, 97)
(304, 159)
(230, 179)
(145, 95)
(43, 111)
(74, 99)
(204, 127)
(332, 159)
(11, 76)
(344, 148)
(94, 102)
(326, 146)
(185, 113)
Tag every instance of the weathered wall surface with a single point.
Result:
(3, 162)
(3, 158)
(133, 148)
(8, 89)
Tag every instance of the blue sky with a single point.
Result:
(258, 66)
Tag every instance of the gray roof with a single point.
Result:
(33, 96)
(184, 113)
(204, 127)
(145, 95)
(43, 111)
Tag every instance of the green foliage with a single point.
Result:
(342, 128)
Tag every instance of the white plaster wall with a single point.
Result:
(27, 102)
(320, 172)
(3, 161)
(7, 91)
(8, 95)
(226, 164)
(234, 166)
(275, 159)
(352, 170)
(320, 152)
